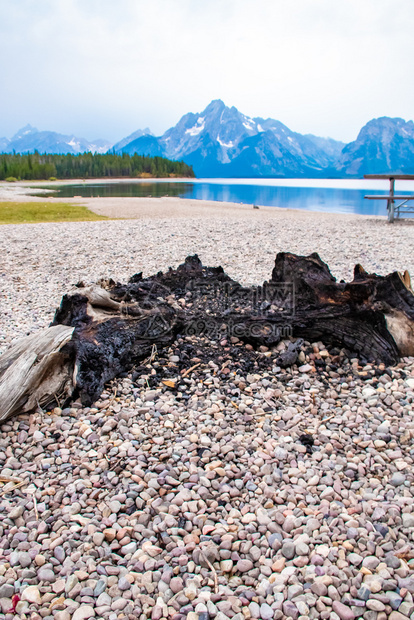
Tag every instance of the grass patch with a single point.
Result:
(34, 212)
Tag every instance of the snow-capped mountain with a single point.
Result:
(384, 144)
(29, 139)
(133, 136)
(225, 127)
(221, 141)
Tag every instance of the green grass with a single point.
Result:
(34, 212)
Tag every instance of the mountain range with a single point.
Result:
(223, 142)
(29, 139)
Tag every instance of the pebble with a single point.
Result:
(46, 574)
(288, 550)
(343, 611)
(375, 605)
(71, 582)
(371, 562)
(16, 512)
(103, 599)
(392, 561)
(254, 610)
(6, 590)
(408, 519)
(62, 615)
(244, 565)
(290, 610)
(395, 599)
(214, 468)
(83, 613)
(100, 587)
(355, 558)
(176, 585)
(59, 553)
(397, 479)
(31, 594)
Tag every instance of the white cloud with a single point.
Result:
(104, 68)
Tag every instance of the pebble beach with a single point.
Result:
(247, 490)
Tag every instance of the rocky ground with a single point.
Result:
(210, 482)
(235, 490)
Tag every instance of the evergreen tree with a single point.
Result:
(88, 165)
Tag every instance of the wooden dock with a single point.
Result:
(394, 210)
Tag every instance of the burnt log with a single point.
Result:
(108, 328)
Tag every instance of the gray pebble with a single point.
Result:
(6, 590)
(266, 612)
(392, 561)
(288, 550)
(59, 553)
(395, 599)
(45, 574)
(99, 588)
(397, 479)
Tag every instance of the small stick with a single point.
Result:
(10, 479)
(15, 487)
(187, 372)
(35, 507)
(57, 399)
(154, 352)
(327, 419)
(213, 570)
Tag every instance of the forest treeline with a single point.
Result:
(88, 165)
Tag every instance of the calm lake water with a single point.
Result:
(328, 195)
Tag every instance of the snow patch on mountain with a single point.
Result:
(226, 145)
(197, 128)
(75, 144)
(249, 124)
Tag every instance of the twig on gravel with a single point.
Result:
(10, 479)
(187, 372)
(150, 359)
(19, 484)
(328, 418)
(35, 506)
(213, 570)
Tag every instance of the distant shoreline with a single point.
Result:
(152, 207)
(156, 207)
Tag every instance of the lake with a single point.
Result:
(327, 195)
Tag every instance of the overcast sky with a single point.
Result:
(104, 68)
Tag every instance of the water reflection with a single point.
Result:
(326, 199)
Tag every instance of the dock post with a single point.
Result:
(390, 201)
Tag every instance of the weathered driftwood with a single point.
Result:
(35, 372)
(104, 330)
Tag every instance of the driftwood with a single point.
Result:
(34, 370)
(104, 330)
